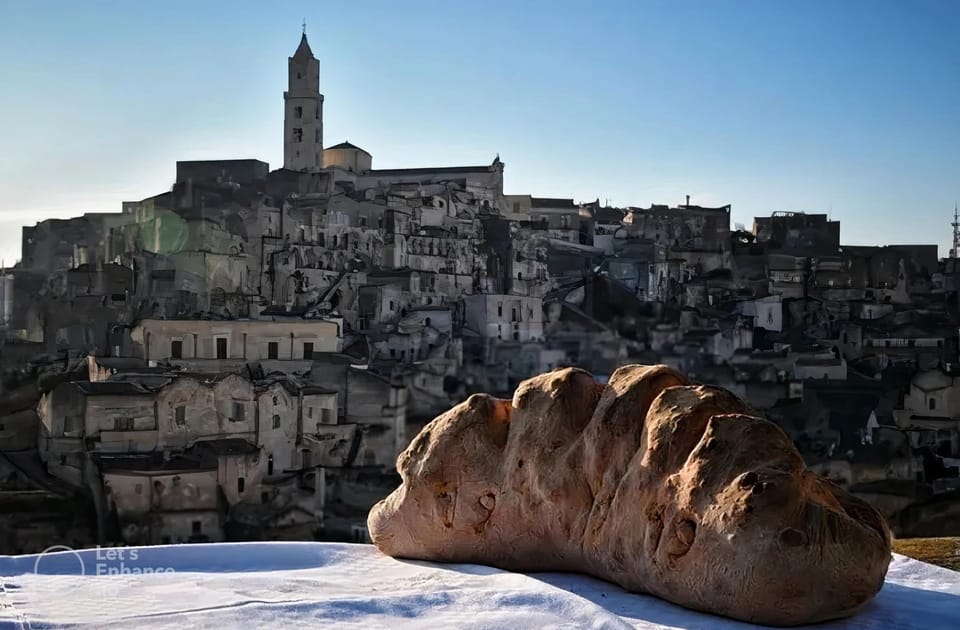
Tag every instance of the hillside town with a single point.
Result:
(244, 355)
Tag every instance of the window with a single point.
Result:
(276, 421)
(197, 528)
(933, 404)
(513, 315)
(307, 460)
(317, 137)
(309, 412)
(325, 416)
(297, 134)
(273, 350)
(180, 415)
(239, 412)
(500, 309)
(221, 347)
(270, 462)
(363, 221)
(123, 424)
(240, 483)
(316, 112)
(176, 349)
(298, 111)
(308, 350)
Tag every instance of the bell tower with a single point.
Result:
(303, 111)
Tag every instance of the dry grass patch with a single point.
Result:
(944, 552)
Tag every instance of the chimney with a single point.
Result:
(688, 201)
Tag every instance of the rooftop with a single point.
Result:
(437, 170)
(932, 380)
(111, 388)
(552, 202)
(347, 145)
(227, 446)
(304, 48)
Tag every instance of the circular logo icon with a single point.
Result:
(59, 549)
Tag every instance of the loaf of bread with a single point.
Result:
(660, 486)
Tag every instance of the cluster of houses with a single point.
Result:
(244, 355)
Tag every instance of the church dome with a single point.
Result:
(348, 157)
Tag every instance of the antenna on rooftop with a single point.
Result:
(956, 232)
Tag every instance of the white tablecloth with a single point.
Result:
(326, 585)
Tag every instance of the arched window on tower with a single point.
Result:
(297, 134)
(298, 111)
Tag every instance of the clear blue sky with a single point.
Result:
(849, 107)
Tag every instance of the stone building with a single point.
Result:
(161, 502)
(798, 232)
(504, 317)
(200, 341)
(931, 412)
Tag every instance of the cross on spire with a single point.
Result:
(304, 26)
